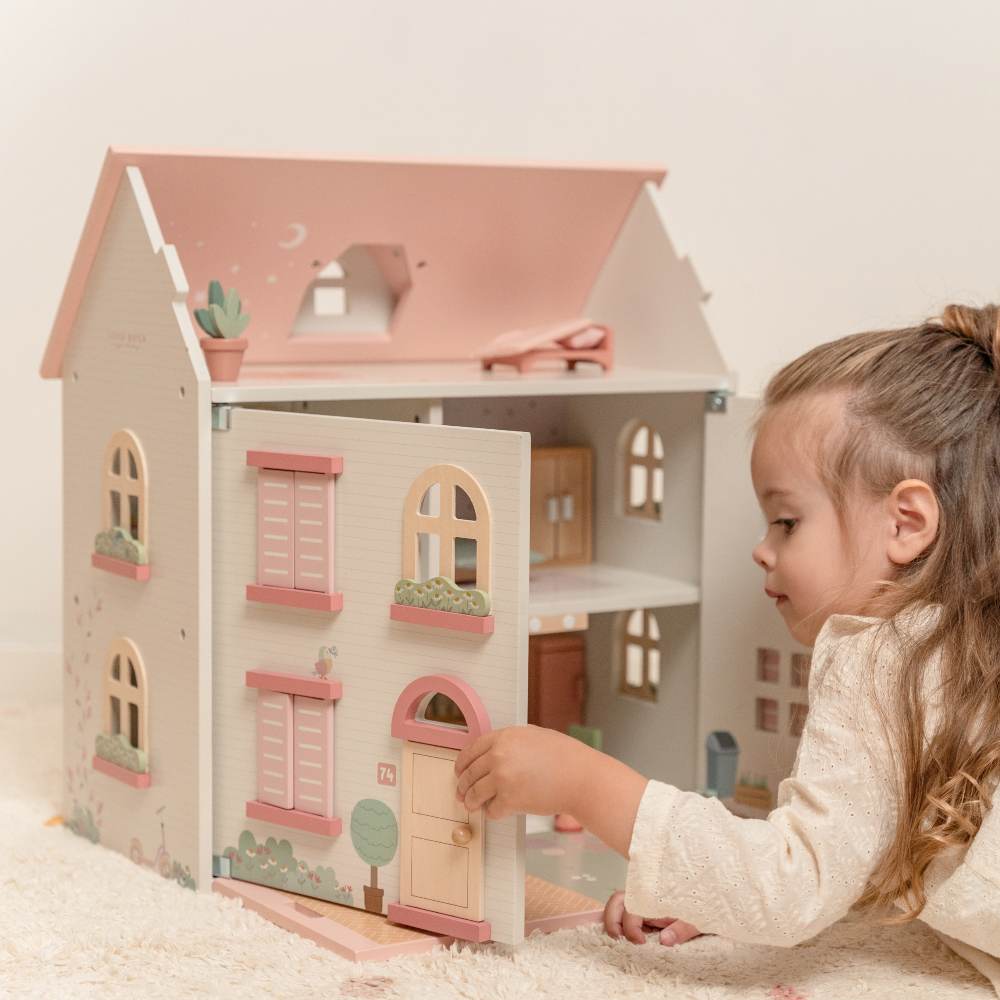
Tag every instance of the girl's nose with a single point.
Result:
(761, 556)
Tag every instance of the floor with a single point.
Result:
(577, 861)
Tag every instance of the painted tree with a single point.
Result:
(375, 836)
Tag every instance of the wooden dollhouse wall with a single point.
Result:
(656, 737)
(738, 618)
(133, 364)
(376, 657)
(653, 298)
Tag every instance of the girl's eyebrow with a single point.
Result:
(775, 491)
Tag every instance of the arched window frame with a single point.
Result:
(125, 486)
(643, 470)
(445, 525)
(647, 640)
(121, 688)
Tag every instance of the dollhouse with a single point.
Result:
(482, 453)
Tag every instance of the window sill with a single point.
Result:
(476, 624)
(122, 774)
(286, 597)
(309, 687)
(121, 567)
(326, 826)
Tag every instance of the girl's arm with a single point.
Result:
(776, 881)
(540, 771)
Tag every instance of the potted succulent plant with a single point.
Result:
(223, 322)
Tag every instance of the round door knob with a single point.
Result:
(461, 835)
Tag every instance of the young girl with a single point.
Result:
(876, 462)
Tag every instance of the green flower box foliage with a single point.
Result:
(274, 864)
(442, 594)
(118, 750)
(119, 544)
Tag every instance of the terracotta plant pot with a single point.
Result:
(224, 357)
(373, 899)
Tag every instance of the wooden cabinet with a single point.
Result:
(557, 680)
(561, 502)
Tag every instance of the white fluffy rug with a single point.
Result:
(77, 920)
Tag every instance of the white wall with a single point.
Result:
(832, 167)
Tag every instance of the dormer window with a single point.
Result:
(354, 296)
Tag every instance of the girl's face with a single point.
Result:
(805, 556)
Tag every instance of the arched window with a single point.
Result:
(642, 447)
(639, 654)
(446, 529)
(125, 486)
(125, 694)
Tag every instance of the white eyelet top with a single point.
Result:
(781, 880)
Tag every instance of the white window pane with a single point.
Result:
(657, 485)
(657, 445)
(633, 665)
(640, 442)
(133, 471)
(654, 628)
(329, 300)
(428, 555)
(654, 667)
(637, 486)
(634, 625)
(430, 504)
(116, 462)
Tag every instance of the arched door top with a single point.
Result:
(406, 726)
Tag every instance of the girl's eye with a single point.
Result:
(788, 523)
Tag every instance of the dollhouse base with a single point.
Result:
(363, 937)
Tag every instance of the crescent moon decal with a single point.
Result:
(297, 239)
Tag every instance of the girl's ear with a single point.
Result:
(914, 512)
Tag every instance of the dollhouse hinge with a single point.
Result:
(221, 867)
(715, 401)
(220, 416)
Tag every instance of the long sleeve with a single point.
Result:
(782, 879)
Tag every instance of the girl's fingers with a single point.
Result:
(480, 793)
(678, 932)
(614, 910)
(632, 926)
(476, 770)
(474, 750)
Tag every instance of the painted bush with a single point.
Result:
(118, 750)
(119, 544)
(274, 864)
(83, 825)
(442, 594)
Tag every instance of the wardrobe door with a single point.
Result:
(573, 486)
(544, 502)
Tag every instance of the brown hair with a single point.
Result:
(924, 403)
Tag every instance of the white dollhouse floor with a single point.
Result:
(77, 921)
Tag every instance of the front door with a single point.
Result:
(441, 844)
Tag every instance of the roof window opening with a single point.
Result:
(354, 296)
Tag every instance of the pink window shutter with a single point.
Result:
(274, 749)
(313, 755)
(275, 528)
(314, 532)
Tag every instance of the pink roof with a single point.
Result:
(488, 247)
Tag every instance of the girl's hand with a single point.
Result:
(521, 769)
(618, 921)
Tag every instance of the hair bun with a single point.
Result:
(981, 326)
